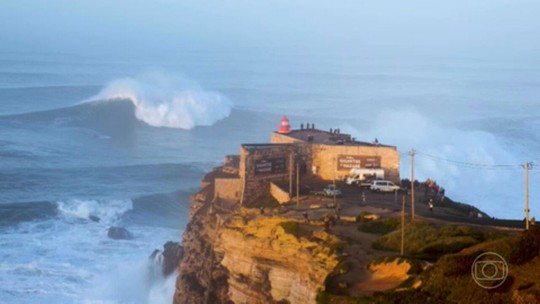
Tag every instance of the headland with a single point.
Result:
(286, 222)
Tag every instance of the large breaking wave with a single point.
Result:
(168, 101)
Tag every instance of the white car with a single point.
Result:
(383, 186)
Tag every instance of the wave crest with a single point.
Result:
(168, 101)
(108, 212)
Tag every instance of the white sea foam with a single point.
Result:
(168, 101)
(162, 291)
(108, 211)
(496, 190)
(73, 261)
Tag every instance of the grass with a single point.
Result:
(361, 217)
(430, 241)
(449, 280)
(291, 228)
(380, 226)
(527, 247)
(342, 267)
(405, 297)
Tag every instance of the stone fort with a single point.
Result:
(263, 169)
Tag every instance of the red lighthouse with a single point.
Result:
(284, 126)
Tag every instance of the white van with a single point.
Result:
(363, 177)
(383, 186)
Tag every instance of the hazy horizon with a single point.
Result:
(502, 29)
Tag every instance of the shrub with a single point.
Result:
(361, 217)
(290, 227)
(527, 247)
(380, 227)
(432, 241)
(343, 267)
(452, 245)
(323, 298)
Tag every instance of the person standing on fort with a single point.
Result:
(363, 198)
(305, 214)
(326, 222)
(430, 204)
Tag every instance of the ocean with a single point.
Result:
(128, 140)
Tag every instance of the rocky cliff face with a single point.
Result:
(240, 256)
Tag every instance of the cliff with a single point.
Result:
(241, 255)
(238, 255)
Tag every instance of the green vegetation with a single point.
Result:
(453, 249)
(323, 298)
(327, 298)
(290, 227)
(527, 247)
(450, 279)
(430, 241)
(361, 217)
(265, 200)
(342, 267)
(380, 226)
(404, 297)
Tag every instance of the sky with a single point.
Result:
(505, 28)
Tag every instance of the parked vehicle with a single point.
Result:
(364, 177)
(383, 186)
(331, 191)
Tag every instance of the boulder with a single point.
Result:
(172, 254)
(119, 233)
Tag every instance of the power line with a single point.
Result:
(469, 164)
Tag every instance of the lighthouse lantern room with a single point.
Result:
(284, 126)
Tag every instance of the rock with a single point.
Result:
(119, 233)
(172, 254)
(255, 261)
(94, 218)
(154, 254)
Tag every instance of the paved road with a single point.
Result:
(351, 204)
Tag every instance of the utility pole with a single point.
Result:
(402, 224)
(297, 185)
(412, 185)
(290, 174)
(334, 192)
(334, 184)
(527, 166)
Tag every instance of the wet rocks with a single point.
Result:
(119, 233)
(167, 260)
(172, 254)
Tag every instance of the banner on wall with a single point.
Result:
(348, 162)
(271, 166)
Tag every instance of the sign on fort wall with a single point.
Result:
(371, 162)
(271, 166)
(347, 162)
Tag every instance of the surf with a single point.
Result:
(162, 100)
(156, 100)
